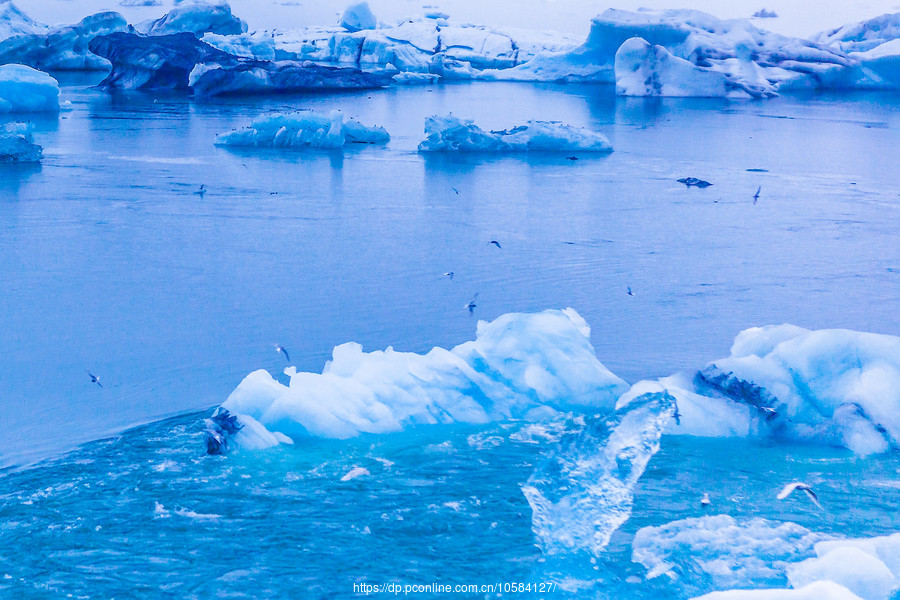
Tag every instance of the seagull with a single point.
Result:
(471, 305)
(202, 190)
(789, 488)
(496, 243)
(630, 293)
(280, 348)
(449, 274)
(677, 415)
(94, 379)
(455, 190)
(756, 195)
(705, 501)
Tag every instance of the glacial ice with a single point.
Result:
(860, 572)
(720, 552)
(645, 70)
(15, 22)
(357, 17)
(23, 89)
(257, 45)
(835, 387)
(880, 66)
(862, 36)
(821, 590)
(519, 366)
(304, 130)
(583, 491)
(182, 62)
(63, 48)
(452, 134)
(17, 144)
(197, 17)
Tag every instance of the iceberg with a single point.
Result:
(258, 45)
(452, 134)
(880, 66)
(862, 36)
(17, 144)
(520, 366)
(182, 62)
(645, 70)
(304, 130)
(836, 387)
(23, 89)
(63, 48)
(860, 572)
(357, 17)
(583, 491)
(197, 17)
(15, 22)
(720, 552)
(751, 59)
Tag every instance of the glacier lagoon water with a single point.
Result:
(113, 263)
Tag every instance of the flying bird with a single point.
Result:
(472, 303)
(94, 379)
(756, 195)
(455, 190)
(449, 274)
(797, 485)
(280, 348)
(496, 243)
(630, 293)
(202, 190)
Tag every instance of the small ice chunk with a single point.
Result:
(452, 134)
(354, 473)
(304, 130)
(17, 144)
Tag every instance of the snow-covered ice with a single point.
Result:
(304, 130)
(13, 21)
(24, 89)
(452, 134)
(519, 366)
(357, 17)
(646, 70)
(17, 144)
(197, 17)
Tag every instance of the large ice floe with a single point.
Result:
(23, 89)
(527, 366)
(452, 134)
(17, 144)
(834, 387)
(304, 130)
(182, 62)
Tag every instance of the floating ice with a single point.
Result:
(822, 590)
(15, 22)
(860, 572)
(519, 366)
(880, 66)
(452, 134)
(262, 77)
(63, 48)
(835, 387)
(197, 17)
(357, 17)
(719, 552)
(260, 46)
(584, 490)
(304, 130)
(862, 36)
(17, 144)
(23, 89)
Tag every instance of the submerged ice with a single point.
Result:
(529, 366)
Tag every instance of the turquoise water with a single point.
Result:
(111, 263)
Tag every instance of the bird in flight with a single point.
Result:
(630, 293)
(455, 190)
(472, 303)
(280, 348)
(797, 485)
(449, 274)
(496, 243)
(202, 190)
(756, 195)
(94, 379)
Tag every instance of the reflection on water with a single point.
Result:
(112, 262)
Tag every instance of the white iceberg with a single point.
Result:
(645, 70)
(834, 387)
(15, 22)
(879, 67)
(63, 48)
(452, 134)
(258, 45)
(17, 144)
(197, 17)
(357, 17)
(862, 36)
(519, 366)
(822, 590)
(304, 130)
(860, 572)
(23, 89)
